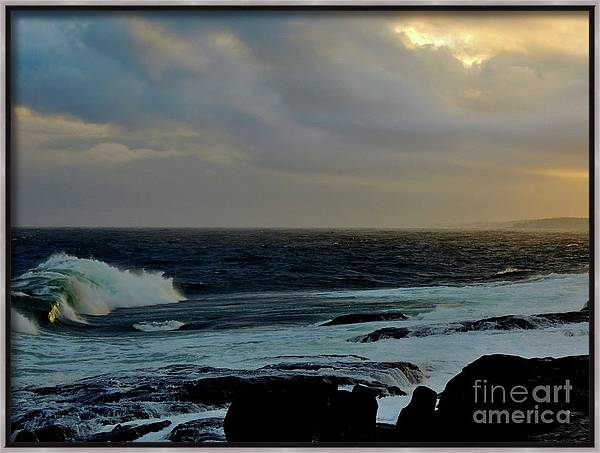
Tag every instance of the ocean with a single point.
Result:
(124, 303)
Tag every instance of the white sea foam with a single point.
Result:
(22, 324)
(512, 270)
(176, 420)
(550, 293)
(157, 326)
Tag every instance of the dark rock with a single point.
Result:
(116, 396)
(218, 391)
(367, 392)
(417, 418)
(196, 431)
(508, 322)
(302, 412)
(128, 433)
(384, 334)
(49, 433)
(386, 432)
(373, 375)
(223, 389)
(27, 417)
(293, 413)
(356, 318)
(350, 417)
(464, 418)
(578, 431)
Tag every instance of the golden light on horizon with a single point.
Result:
(563, 173)
(477, 38)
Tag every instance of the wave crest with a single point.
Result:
(158, 326)
(513, 271)
(74, 286)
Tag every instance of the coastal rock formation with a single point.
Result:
(355, 318)
(47, 433)
(129, 398)
(471, 410)
(386, 378)
(218, 391)
(522, 400)
(508, 322)
(415, 420)
(303, 412)
(578, 431)
(196, 431)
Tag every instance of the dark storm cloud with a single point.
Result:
(341, 103)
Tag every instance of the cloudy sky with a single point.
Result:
(298, 119)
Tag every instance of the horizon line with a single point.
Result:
(449, 226)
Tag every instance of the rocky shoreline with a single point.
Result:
(298, 415)
(125, 406)
(298, 407)
(330, 398)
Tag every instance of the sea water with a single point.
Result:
(86, 302)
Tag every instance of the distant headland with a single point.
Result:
(547, 224)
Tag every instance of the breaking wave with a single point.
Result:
(66, 287)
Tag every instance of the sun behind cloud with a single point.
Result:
(473, 39)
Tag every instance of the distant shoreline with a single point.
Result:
(547, 224)
(556, 224)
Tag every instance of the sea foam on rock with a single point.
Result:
(507, 322)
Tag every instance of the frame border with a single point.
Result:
(7, 7)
